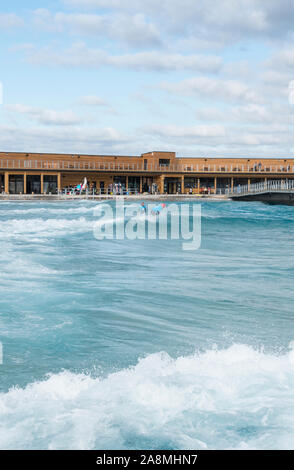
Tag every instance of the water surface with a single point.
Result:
(139, 344)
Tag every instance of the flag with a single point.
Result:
(84, 185)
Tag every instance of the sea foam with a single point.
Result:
(234, 398)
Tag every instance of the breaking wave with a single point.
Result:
(234, 398)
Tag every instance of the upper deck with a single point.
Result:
(151, 162)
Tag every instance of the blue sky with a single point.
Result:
(201, 78)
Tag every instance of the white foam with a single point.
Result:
(236, 398)
(54, 210)
(19, 228)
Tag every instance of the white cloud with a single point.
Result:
(92, 100)
(244, 99)
(10, 20)
(225, 19)
(284, 59)
(96, 102)
(236, 141)
(197, 43)
(71, 139)
(79, 55)
(165, 61)
(121, 4)
(252, 113)
(197, 140)
(212, 114)
(214, 89)
(45, 116)
(275, 120)
(133, 30)
(275, 77)
(202, 131)
(249, 113)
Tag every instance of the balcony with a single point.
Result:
(42, 165)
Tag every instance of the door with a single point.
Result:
(16, 185)
(50, 184)
(172, 185)
(33, 184)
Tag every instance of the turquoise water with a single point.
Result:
(139, 344)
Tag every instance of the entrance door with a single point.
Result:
(134, 184)
(147, 184)
(172, 185)
(50, 184)
(16, 185)
(33, 184)
(119, 184)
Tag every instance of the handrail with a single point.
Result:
(188, 168)
(262, 187)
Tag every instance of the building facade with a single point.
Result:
(162, 172)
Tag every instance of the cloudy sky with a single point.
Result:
(198, 77)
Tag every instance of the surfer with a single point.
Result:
(143, 208)
(157, 209)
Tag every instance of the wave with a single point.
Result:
(234, 398)
(56, 210)
(16, 228)
(54, 227)
(247, 218)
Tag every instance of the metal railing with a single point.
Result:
(262, 187)
(9, 164)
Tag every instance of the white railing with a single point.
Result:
(104, 166)
(262, 187)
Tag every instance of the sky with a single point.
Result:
(202, 78)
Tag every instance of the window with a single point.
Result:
(164, 161)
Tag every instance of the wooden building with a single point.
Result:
(39, 173)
